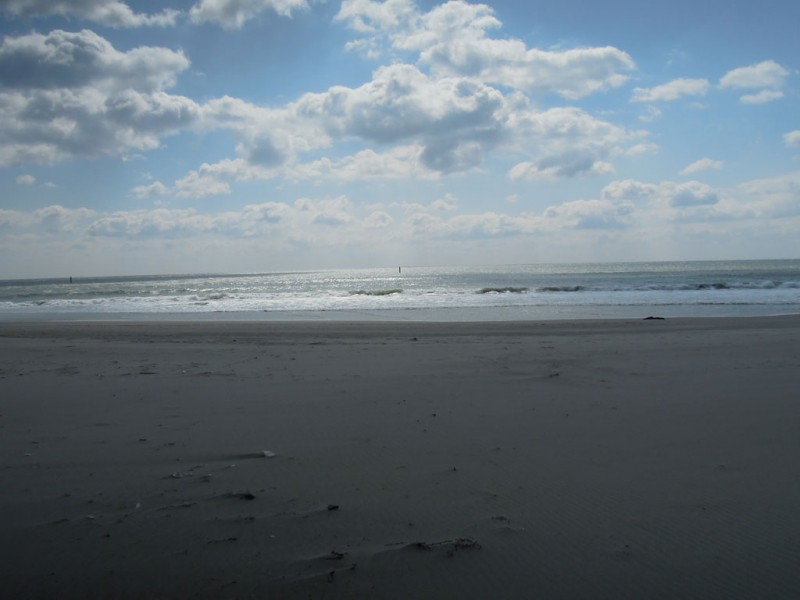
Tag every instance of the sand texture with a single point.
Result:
(608, 459)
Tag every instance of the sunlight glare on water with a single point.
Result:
(727, 288)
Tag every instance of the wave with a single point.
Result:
(678, 285)
(211, 296)
(675, 287)
(503, 290)
(376, 292)
(719, 285)
(561, 288)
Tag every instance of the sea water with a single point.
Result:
(565, 291)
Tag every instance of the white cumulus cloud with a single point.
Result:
(568, 165)
(691, 193)
(211, 179)
(768, 76)
(424, 127)
(143, 192)
(111, 13)
(675, 89)
(72, 60)
(792, 138)
(666, 195)
(401, 162)
(68, 94)
(704, 164)
(57, 219)
(233, 14)
(25, 180)
(451, 39)
(762, 97)
(592, 214)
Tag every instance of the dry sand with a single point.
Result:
(608, 459)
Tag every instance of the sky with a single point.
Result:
(232, 136)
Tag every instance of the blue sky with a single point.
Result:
(264, 135)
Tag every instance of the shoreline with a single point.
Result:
(583, 458)
(552, 312)
(169, 328)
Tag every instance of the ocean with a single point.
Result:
(507, 292)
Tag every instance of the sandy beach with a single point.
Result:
(584, 459)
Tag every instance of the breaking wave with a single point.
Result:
(675, 287)
(561, 288)
(376, 292)
(503, 290)
(721, 285)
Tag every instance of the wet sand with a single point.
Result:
(583, 459)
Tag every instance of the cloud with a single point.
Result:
(211, 179)
(332, 212)
(762, 97)
(143, 192)
(567, 165)
(370, 16)
(111, 13)
(570, 142)
(431, 126)
(470, 226)
(487, 225)
(629, 189)
(268, 137)
(643, 148)
(401, 162)
(664, 195)
(756, 205)
(267, 212)
(692, 193)
(703, 164)
(57, 219)
(774, 197)
(378, 220)
(73, 60)
(591, 214)
(311, 220)
(454, 119)
(792, 139)
(628, 211)
(25, 180)
(413, 122)
(673, 90)
(446, 203)
(68, 94)
(650, 114)
(160, 222)
(451, 39)
(14, 219)
(768, 75)
(54, 219)
(233, 14)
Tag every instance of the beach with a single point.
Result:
(620, 458)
